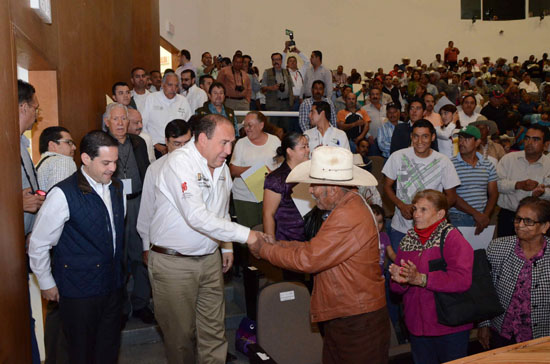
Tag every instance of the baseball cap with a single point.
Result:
(470, 131)
(496, 94)
(392, 105)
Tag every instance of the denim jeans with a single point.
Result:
(460, 219)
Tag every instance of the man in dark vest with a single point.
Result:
(216, 104)
(131, 167)
(277, 87)
(82, 219)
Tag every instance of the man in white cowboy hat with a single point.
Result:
(348, 294)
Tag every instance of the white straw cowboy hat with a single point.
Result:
(331, 166)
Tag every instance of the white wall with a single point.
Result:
(356, 33)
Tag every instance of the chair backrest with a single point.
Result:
(284, 328)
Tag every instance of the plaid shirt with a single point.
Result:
(505, 268)
(305, 109)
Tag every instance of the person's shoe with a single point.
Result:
(145, 315)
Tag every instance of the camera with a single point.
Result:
(282, 87)
(239, 88)
(220, 58)
(290, 34)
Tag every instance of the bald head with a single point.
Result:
(135, 122)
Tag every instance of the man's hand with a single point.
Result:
(526, 185)
(227, 261)
(406, 210)
(255, 241)
(51, 294)
(538, 191)
(32, 202)
(482, 221)
(483, 336)
(161, 148)
(145, 257)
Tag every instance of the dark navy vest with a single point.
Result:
(83, 261)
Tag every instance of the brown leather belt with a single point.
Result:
(173, 252)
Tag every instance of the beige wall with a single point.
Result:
(355, 33)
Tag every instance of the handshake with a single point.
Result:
(255, 241)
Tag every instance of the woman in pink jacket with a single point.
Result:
(432, 342)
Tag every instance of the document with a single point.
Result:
(480, 241)
(302, 198)
(254, 178)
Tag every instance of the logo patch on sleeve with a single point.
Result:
(184, 187)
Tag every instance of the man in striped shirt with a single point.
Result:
(478, 192)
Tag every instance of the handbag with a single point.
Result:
(480, 302)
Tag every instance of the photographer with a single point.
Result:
(277, 87)
(237, 84)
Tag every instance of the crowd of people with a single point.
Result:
(157, 187)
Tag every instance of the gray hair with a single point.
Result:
(167, 74)
(111, 107)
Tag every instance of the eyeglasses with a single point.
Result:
(526, 221)
(68, 141)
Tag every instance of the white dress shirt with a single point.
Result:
(465, 120)
(195, 96)
(147, 206)
(49, 224)
(333, 137)
(514, 167)
(192, 214)
(140, 99)
(160, 110)
(298, 75)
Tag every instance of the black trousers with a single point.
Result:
(506, 223)
(55, 343)
(92, 327)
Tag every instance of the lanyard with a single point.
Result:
(29, 177)
(235, 78)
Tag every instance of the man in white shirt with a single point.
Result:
(528, 85)
(317, 72)
(522, 174)
(194, 94)
(161, 108)
(156, 81)
(185, 63)
(139, 92)
(189, 225)
(122, 94)
(135, 126)
(177, 134)
(468, 114)
(415, 169)
(83, 218)
(322, 132)
(377, 113)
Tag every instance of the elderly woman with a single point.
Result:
(432, 342)
(257, 147)
(520, 270)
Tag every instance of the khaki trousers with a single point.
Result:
(189, 307)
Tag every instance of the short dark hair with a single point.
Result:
(203, 78)
(137, 69)
(468, 95)
(189, 71)
(276, 54)
(185, 53)
(317, 82)
(423, 123)
(117, 84)
(449, 108)
(204, 54)
(377, 210)
(419, 100)
(50, 134)
(207, 125)
(543, 129)
(539, 205)
(318, 54)
(235, 56)
(321, 106)
(260, 116)
(94, 140)
(25, 91)
(176, 128)
(155, 71)
(218, 85)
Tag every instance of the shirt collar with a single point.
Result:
(166, 99)
(97, 186)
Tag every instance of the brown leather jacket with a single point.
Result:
(345, 257)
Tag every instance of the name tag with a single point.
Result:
(127, 183)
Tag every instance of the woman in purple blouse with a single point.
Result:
(520, 267)
(281, 218)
